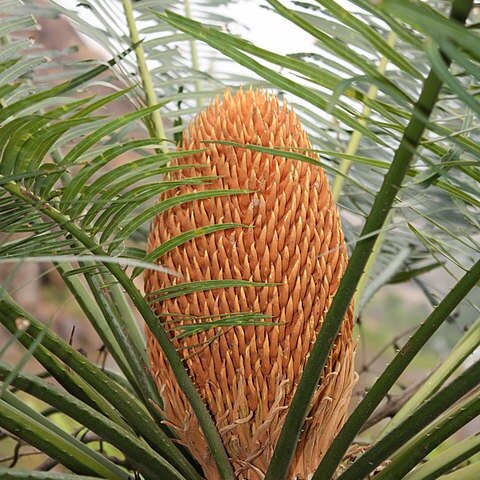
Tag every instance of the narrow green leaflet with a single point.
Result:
(113, 188)
(20, 68)
(429, 20)
(30, 155)
(133, 225)
(456, 87)
(180, 239)
(90, 140)
(239, 320)
(94, 165)
(181, 289)
(67, 86)
(121, 210)
(14, 24)
(339, 48)
(200, 32)
(377, 41)
(12, 49)
(401, 277)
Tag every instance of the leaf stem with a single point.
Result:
(450, 458)
(421, 418)
(344, 168)
(129, 319)
(142, 456)
(470, 472)
(32, 427)
(392, 372)
(94, 315)
(383, 203)
(141, 378)
(193, 52)
(147, 82)
(467, 344)
(356, 137)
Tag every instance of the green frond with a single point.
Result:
(389, 95)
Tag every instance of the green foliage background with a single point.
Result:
(390, 97)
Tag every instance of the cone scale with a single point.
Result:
(247, 375)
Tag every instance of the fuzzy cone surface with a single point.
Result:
(247, 374)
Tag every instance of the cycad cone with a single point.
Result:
(247, 374)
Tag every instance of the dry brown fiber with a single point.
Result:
(247, 375)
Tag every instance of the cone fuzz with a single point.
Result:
(247, 375)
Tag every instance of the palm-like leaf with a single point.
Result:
(390, 88)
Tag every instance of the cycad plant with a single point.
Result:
(249, 300)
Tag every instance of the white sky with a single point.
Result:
(265, 29)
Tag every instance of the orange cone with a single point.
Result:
(247, 375)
